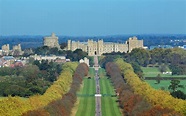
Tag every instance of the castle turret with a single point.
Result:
(69, 47)
(133, 42)
(5, 49)
(51, 41)
(100, 47)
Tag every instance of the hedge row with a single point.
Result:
(153, 96)
(12, 106)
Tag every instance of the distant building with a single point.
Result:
(100, 47)
(49, 58)
(160, 46)
(6, 61)
(7, 58)
(5, 49)
(17, 64)
(133, 42)
(183, 47)
(15, 51)
(2, 62)
(17, 47)
(86, 61)
(1, 52)
(51, 41)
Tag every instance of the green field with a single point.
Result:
(86, 96)
(154, 71)
(109, 106)
(102, 72)
(165, 84)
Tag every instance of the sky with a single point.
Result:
(92, 17)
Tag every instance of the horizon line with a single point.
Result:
(89, 35)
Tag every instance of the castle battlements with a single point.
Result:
(99, 47)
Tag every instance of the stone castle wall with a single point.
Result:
(16, 50)
(99, 47)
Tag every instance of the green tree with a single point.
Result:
(44, 50)
(158, 78)
(162, 68)
(140, 56)
(137, 69)
(14, 90)
(157, 55)
(63, 45)
(108, 58)
(79, 54)
(175, 84)
(177, 69)
(53, 51)
(31, 73)
(27, 52)
(179, 94)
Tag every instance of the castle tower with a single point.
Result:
(17, 50)
(51, 41)
(133, 42)
(69, 47)
(100, 47)
(5, 49)
(53, 35)
(90, 47)
(17, 47)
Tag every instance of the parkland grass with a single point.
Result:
(86, 96)
(109, 106)
(164, 84)
(154, 71)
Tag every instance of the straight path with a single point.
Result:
(97, 95)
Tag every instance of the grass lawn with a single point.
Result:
(154, 71)
(102, 72)
(86, 96)
(165, 84)
(109, 106)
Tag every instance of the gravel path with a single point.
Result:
(98, 98)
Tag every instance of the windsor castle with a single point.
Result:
(96, 47)
(99, 47)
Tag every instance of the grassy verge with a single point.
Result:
(109, 106)
(86, 96)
